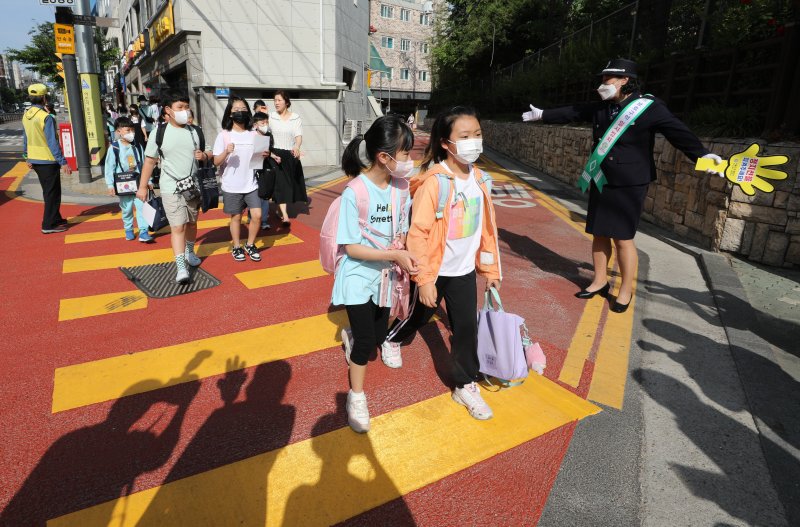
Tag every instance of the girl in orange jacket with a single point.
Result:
(452, 239)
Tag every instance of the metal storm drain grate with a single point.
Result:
(158, 280)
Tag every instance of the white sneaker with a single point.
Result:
(183, 276)
(347, 343)
(470, 396)
(357, 412)
(390, 354)
(192, 259)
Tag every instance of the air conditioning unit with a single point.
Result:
(352, 128)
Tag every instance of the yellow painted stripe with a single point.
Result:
(120, 233)
(106, 216)
(19, 169)
(329, 184)
(611, 364)
(111, 261)
(103, 380)
(281, 274)
(18, 173)
(335, 476)
(583, 339)
(90, 306)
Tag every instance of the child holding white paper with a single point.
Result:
(233, 151)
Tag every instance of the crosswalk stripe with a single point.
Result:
(102, 380)
(90, 306)
(315, 482)
(111, 261)
(611, 364)
(281, 274)
(106, 216)
(120, 233)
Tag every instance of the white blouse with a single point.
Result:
(284, 132)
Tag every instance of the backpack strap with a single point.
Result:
(115, 148)
(444, 194)
(200, 137)
(160, 131)
(484, 179)
(362, 202)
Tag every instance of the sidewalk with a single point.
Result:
(715, 367)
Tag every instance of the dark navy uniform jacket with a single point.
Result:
(630, 161)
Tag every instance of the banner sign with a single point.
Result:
(748, 170)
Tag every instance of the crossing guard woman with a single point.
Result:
(619, 171)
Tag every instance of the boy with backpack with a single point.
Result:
(180, 147)
(122, 169)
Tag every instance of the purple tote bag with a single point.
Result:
(500, 349)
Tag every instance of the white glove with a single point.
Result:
(717, 160)
(534, 115)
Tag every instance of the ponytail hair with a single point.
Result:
(388, 134)
(441, 130)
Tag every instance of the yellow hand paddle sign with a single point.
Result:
(747, 170)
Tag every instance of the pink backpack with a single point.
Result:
(331, 253)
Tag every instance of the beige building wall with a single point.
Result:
(404, 44)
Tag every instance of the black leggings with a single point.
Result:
(369, 324)
(461, 300)
(50, 178)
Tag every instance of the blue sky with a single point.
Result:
(19, 16)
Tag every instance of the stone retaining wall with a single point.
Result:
(707, 210)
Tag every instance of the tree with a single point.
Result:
(39, 55)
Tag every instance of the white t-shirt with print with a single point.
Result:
(464, 228)
(237, 177)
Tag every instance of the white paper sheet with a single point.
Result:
(260, 144)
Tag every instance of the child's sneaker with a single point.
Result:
(252, 252)
(390, 354)
(238, 254)
(347, 343)
(265, 226)
(182, 277)
(470, 396)
(144, 237)
(192, 259)
(129, 235)
(357, 412)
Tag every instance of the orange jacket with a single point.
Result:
(427, 235)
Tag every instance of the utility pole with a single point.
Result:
(88, 68)
(65, 44)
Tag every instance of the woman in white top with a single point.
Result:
(287, 132)
(233, 149)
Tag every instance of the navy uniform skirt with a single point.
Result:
(615, 212)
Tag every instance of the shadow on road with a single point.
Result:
(101, 462)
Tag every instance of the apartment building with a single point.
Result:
(316, 50)
(400, 33)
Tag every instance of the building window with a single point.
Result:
(349, 78)
(387, 42)
(405, 14)
(422, 75)
(405, 44)
(425, 19)
(387, 11)
(404, 76)
(424, 47)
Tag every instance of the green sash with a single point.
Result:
(627, 116)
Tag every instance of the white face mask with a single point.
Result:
(467, 150)
(402, 169)
(607, 91)
(129, 137)
(263, 129)
(181, 117)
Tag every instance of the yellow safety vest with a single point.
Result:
(33, 122)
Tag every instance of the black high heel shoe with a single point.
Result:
(616, 307)
(585, 295)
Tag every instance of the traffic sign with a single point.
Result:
(84, 20)
(65, 38)
(57, 2)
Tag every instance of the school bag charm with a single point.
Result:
(748, 170)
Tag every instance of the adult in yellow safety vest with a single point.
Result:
(43, 154)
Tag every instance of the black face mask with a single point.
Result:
(240, 118)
